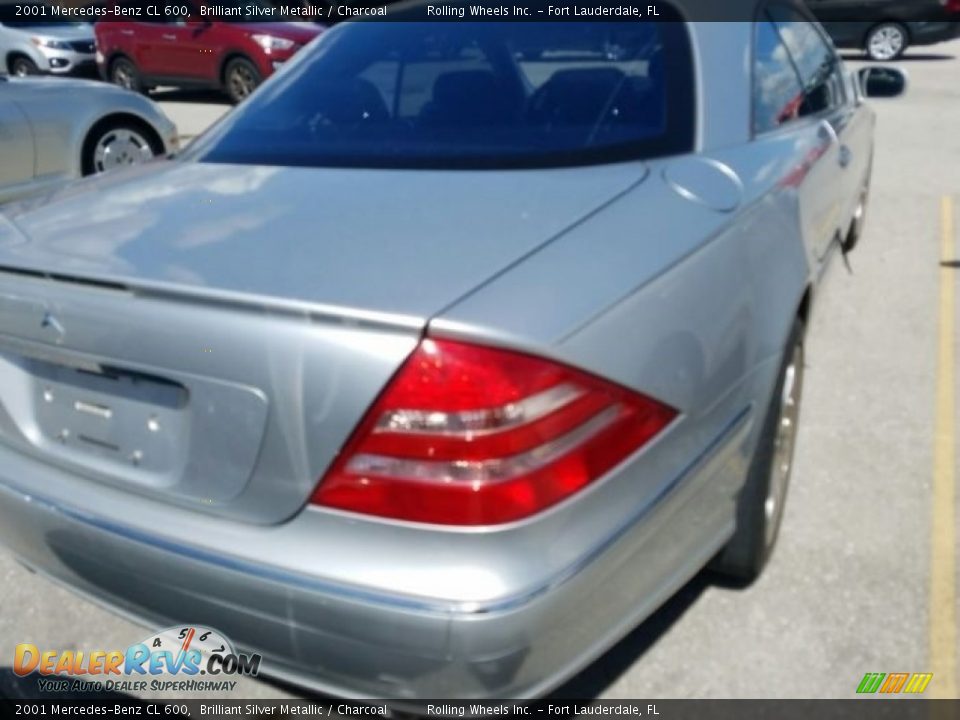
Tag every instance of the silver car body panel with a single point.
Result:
(678, 277)
(324, 256)
(44, 147)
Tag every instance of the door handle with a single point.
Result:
(169, 37)
(846, 156)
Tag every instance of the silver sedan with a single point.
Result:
(53, 130)
(449, 355)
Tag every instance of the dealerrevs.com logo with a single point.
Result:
(179, 659)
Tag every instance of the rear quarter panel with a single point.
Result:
(675, 300)
(658, 292)
(678, 301)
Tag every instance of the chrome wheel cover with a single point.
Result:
(120, 148)
(886, 43)
(784, 444)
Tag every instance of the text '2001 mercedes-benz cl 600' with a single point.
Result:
(449, 355)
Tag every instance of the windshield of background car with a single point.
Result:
(471, 95)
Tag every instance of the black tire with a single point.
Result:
(22, 66)
(886, 41)
(758, 523)
(124, 72)
(104, 130)
(240, 78)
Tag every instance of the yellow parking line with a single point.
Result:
(943, 603)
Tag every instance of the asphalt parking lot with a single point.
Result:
(865, 575)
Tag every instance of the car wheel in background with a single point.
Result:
(22, 66)
(761, 502)
(125, 74)
(887, 41)
(240, 78)
(113, 144)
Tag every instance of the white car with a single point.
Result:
(31, 43)
(55, 129)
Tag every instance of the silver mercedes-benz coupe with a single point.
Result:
(53, 130)
(449, 355)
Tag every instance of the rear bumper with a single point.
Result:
(350, 641)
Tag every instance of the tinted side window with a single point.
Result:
(816, 62)
(777, 94)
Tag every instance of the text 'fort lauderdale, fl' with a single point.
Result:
(456, 11)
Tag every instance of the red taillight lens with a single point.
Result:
(953, 6)
(469, 435)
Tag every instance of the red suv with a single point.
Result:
(142, 47)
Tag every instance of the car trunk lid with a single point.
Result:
(404, 243)
(212, 338)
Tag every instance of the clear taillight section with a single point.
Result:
(471, 435)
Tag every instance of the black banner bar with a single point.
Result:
(333, 11)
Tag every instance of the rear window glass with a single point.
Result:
(448, 95)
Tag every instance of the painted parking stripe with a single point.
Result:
(943, 603)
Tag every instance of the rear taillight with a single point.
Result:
(953, 6)
(470, 435)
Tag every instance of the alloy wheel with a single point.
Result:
(886, 43)
(123, 76)
(784, 445)
(242, 82)
(119, 148)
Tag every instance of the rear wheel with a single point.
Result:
(22, 66)
(887, 41)
(118, 143)
(761, 502)
(240, 78)
(125, 74)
